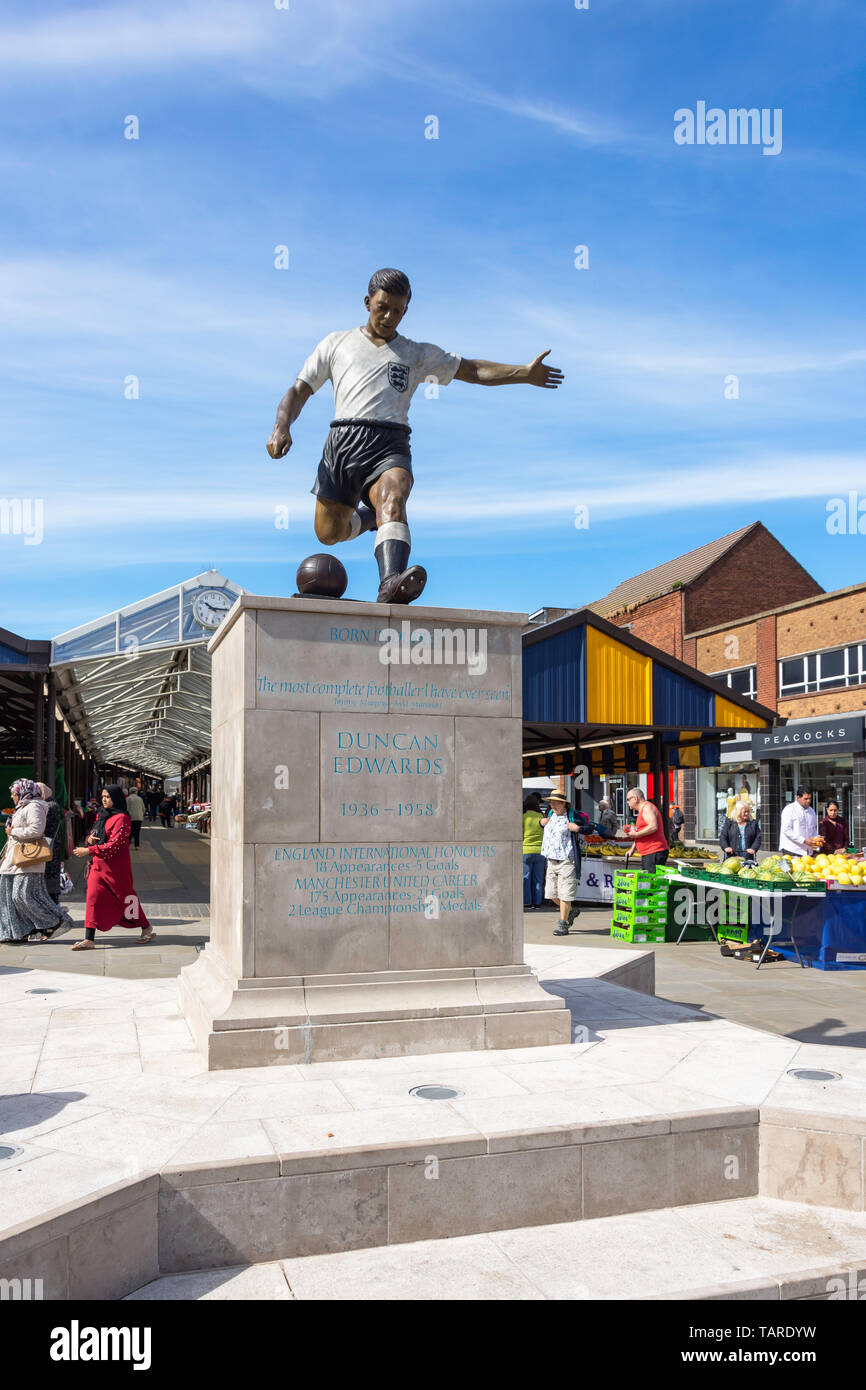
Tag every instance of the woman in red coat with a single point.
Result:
(111, 899)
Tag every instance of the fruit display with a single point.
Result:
(731, 867)
(832, 868)
(776, 872)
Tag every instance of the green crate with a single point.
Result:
(654, 911)
(738, 934)
(634, 933)
(639, 918)
(785, 887)
(642, 897)
(781, 885)
(634, 878)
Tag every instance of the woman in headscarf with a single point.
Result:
(55, 834)
(25, 907)
(111, 899)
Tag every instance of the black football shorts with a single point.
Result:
(357, 452)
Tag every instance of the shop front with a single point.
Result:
(825, 755)
(719, 789)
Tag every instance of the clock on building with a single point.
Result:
(210, 607)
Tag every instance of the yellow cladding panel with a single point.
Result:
(689, 757)
(733, 717)
(619, 682)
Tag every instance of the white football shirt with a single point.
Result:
(375, 383)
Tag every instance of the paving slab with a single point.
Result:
(247, 1283)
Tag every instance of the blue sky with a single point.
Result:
(306, 127)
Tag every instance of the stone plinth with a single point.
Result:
(366, 879)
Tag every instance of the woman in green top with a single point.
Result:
(533, 859)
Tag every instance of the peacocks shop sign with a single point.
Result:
(813, 736)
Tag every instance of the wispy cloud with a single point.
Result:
(587, 128)
(136, 37)
(692, 343)
(655, 488)
(329, 46)
(247, 41)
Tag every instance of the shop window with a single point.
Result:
(717, 791)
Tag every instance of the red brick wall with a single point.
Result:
(658, 621)
(767, 680)
(757, 574)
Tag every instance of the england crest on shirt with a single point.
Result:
(398, 375)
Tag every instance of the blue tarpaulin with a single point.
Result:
(826, 929)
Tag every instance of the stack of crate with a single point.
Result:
(640, 906)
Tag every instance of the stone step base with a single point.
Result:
(352, 1180)
(249, 1022)
(753, 1248)
(339, 1196)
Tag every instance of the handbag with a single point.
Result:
(66, 884)
(31, 852)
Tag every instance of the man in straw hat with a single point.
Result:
(563, 860)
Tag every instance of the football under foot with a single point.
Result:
(403, 588)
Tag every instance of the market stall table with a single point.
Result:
(790, 901)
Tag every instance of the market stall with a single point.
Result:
(604, 711)
(810, 916)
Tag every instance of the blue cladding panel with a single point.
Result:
(9, 657)
(554, 679)
(679, 702)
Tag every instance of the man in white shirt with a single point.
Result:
(799, 826)
(365, 475)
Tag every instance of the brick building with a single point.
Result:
(730, 578)
(743, 609)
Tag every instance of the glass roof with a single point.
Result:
(135, 684)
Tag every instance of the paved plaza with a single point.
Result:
(171, 873)
(307, 1180)
(172, 877)
(814, 1006)
(202, 1180)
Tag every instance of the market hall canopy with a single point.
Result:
(135, 685)
(628, 706)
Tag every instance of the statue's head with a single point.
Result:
(387, 300)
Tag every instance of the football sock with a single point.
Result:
(393, 544)
(364, 519)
